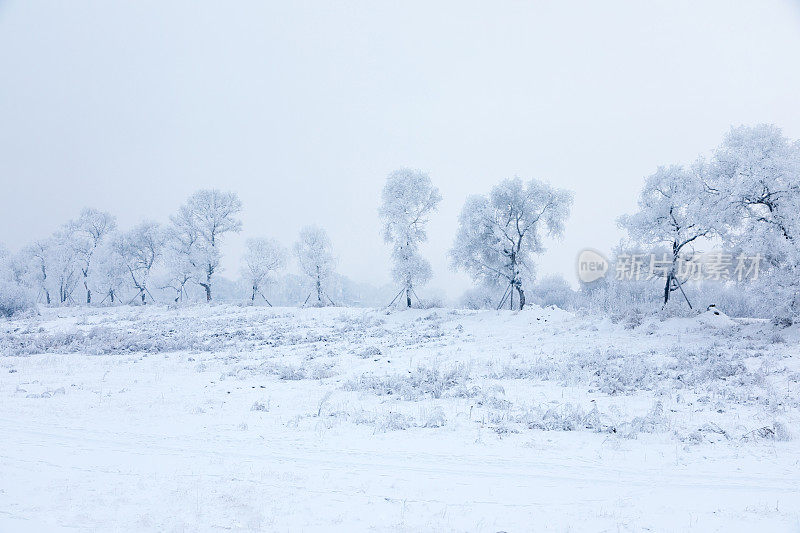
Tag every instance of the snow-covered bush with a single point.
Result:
(736, 300)
(614, 297)
(566, 417)
(631, 317)
(431, 302)
(368, 352)
(481, 297)
(260, 406)
(433, 418)
(14, 299)
(15, 295)
(146, 338)
(393, 421)
(285, 372)
(553, 290)
(653, 422)
(422, 382)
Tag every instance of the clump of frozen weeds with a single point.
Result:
(260, 406)
(419, 383)
(566, 417)
(653, 422)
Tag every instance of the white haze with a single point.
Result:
(303, 108)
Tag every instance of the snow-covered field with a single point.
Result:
(247, 419)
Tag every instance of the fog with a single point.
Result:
(303, 108)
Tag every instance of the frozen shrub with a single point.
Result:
(565, 417)
(697, 369)
(14, 299)
(735, 301)
(777, 338)
(106, 340)
(613, 297)
(481, 297)
(260, 406)
(492, 400)
(287, 372)
(781, 431)
(708, 432)
(504, 428)
(629, 318)
(434, 419)
(431, 302)
(369, 351)
(541, 368)
(422, 382)
(553, 290)
(653, 422)
(775, 432)
(393, 422)
(625, 375)
(322, 371)
(782, 321)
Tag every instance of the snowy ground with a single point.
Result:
(235, 418)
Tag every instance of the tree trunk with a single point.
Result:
(521, 296)
(667, 288)
(144, 300)
(86, 286)
(44, 282)
(319, 287)
(209, 272)
(253, 296)
(408, 297)
(111, 293)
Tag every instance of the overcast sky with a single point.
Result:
(303, 108)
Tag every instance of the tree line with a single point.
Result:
(745, 197)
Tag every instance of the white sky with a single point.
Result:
(302, 108)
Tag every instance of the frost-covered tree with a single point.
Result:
(757, 171)
(182, 259)
(38, 254)
(675, 210)
(409, 198)
(140, 248)
(199, 227)
(109, 273)
(15, 294)
(315, 256)
(86, 234)
(262, 259)
(498, 234)
(180, 270)
(64, 263)
(755, 175)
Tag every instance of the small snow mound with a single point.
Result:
(715, 318)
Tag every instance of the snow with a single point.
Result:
(205, 418)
